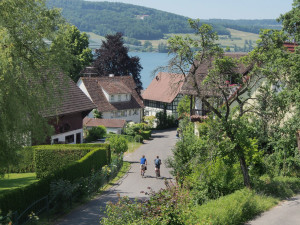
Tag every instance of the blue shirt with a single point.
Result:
(143, 160)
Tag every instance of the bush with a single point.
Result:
(21, 198)
(25, 162)
(49, 158)
(95, 133)
(118, 144)
(146, 134)
(139, 139)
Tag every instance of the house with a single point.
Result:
(163, 93)
(112, 125)
(188, 88)
(66, 117)
(116, 97)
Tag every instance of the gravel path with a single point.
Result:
(132, 184)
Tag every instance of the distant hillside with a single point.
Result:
(133, 21)
(141, 22)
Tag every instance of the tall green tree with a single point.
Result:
(113, 58)
(78, 45)
(192, 54)
(26, 72)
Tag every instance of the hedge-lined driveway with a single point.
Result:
(132, 184)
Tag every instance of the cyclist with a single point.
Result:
(157, 163)
(143, 165)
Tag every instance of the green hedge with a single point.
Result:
(19, 199)
(49, 158)
(25, 162)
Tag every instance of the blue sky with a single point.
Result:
(218, 9)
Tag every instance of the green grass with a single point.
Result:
(16, 180)
(132, 146)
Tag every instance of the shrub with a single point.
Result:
(139, 139)
(95, 133)
(21, 198)
(118, 144)
(50, 158)
(25, 162)
(146, 134)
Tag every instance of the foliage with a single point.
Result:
(25, 62)
(60, 193)
(138, 138)
(77, 43)
(141, 129)
(164, 207)
(164, 120)
(97, 114)
(150, 121)
(95, 133)
(183, 106)
(236, 208)
(50, 158)
(118, 144)
(113, 58)
(20, 198)
(24, 162)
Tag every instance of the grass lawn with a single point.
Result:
(132, 146)
(16, 180)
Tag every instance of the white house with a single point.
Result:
(115, 97)
(163, 93)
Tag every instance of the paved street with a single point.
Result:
(132, 184)
(286, 213)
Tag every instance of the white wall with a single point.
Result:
(61, 137)
(152, 111)
(81, 85)
(130, 117)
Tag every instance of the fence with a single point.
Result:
(45, 204)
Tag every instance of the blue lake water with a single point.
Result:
(150, 61)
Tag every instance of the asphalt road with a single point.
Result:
(132, 184)
(285, 213)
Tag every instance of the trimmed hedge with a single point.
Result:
(49, 158)
(19, 199)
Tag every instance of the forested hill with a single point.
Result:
(137, 21)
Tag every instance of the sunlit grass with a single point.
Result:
(16, 180)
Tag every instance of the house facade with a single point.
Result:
(67, 115)
(116, 97)
(163, 94)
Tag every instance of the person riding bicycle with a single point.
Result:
(143, 165)
(157, 163)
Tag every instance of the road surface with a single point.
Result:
(132, 184)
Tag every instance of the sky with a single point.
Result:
(218, 9)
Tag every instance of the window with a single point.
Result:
(112, 98)
(129, 112)
(126, 97)
(55, 141)
(69, 139)
(119, 98)
(135, 112)
(123, 113)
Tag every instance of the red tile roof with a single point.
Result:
(290, 46)
(94, 87)
(164, 87)
(111, 123)
(188, 87)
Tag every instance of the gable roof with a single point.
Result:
(164, 87)
(290, 46)
(94, 87)
(188, 87)
(71, 98)
(111, 123)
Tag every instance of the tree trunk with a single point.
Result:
(245, 172)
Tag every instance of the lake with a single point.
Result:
(150, 61)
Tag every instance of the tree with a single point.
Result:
(189, 55)
(77, 43)
(26, 73)
(112, 58)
